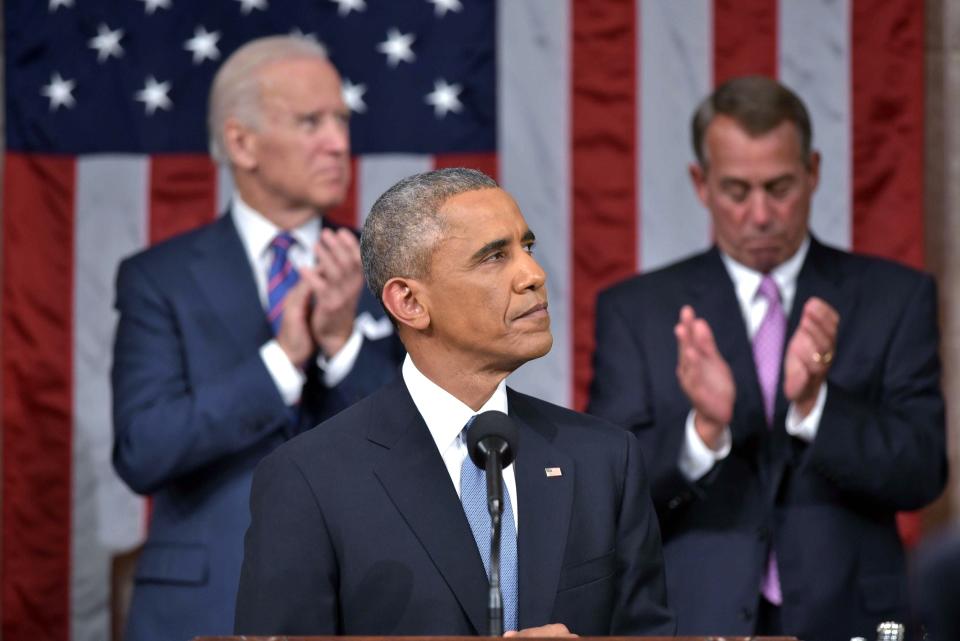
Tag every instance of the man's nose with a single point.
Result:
(759, 208)
(334, 135)
(529, 275)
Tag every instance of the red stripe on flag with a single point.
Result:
(744, 38)
(887, 75)
(888, 41)
(37, 374)
(604, 164)
(183, 194)
(485, 162)
(346, 213)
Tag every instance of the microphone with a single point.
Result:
(492, 445)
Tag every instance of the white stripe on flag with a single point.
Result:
(378, 172)
(814, 61)
(111, 206)
(533, 117)
(676, 71)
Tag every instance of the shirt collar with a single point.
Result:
(444, 414)
(257, 231)
(747, 280)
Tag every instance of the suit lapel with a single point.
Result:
(222, 272)
(544, 508)
(820, 276)
(413, 475)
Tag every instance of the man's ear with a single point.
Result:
(404, 299)
(240, 144)
(813, 168)
(698, 176)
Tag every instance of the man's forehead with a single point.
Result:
(481, 216)
(724, 134)
(316, 79)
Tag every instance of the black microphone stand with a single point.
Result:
(495, 507)
(492, 444)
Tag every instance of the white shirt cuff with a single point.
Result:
(696, 458)
(286, 376)
(806, 429)
(336, 368)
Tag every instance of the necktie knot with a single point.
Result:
(282, 243)
(768, 289)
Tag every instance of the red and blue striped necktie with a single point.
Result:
(281, 278)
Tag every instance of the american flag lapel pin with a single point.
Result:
(552, 471)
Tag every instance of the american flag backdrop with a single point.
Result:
(580, 108)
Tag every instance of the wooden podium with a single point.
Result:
(442, 638)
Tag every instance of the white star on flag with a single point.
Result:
(60, 92)
(246, 6)
(154, 95)
(107, 43)
(441, 7)
(152, 5)
(346, 6)
(353, 96)
(203, 44)
(444, 98)
(55, 4)
(397, 47)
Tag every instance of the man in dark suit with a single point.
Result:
(786, 394)
(237, 336)
(357, 526)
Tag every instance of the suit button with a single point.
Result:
(674, 503)
(746, 614)
(763, 533)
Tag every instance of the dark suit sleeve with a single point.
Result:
(888, 448)
(288, 583)
(621, 393)
(641, 601)
(167, 425)
(377, 364)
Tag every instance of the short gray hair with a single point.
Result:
(404, 225)
(759, 105)
(236, 87)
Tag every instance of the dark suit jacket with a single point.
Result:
(357, 529)
(828, 506)
(195, 409)
(937, 585)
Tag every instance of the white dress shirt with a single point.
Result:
(446, 416)
(696, 458)
(256, 234)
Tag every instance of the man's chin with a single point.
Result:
(328, 197)
(539, 346)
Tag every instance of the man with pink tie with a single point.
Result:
(786, 393)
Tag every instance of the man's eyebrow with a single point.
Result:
(492, 246)
(731, 181)
(778, 180)
(500, 243)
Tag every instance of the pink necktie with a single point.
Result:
(767, 353)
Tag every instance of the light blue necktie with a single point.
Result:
(473, 495)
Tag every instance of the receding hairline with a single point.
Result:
(757, 105)
(242, 74)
